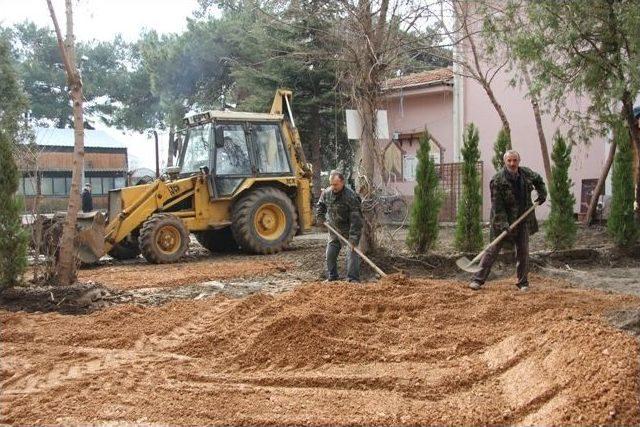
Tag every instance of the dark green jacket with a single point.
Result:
(342, 211)
(504, 207)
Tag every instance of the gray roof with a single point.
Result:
(65, 138)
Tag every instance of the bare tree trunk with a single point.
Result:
(588, 219)
(634, 133)
(538, 118)
(66, 266)
(476, 69)
(497, 107)
(368, 142)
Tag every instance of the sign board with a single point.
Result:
(354, 125)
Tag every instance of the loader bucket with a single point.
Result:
(90, 238)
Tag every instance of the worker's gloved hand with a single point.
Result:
(320, 222)
(540, 200)
(353, 242)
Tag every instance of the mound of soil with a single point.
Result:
(401, 352)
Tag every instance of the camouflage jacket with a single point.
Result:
(504, 207)
(342, 211)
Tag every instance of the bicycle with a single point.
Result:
(388, 207)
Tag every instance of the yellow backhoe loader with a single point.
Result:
(242, 181)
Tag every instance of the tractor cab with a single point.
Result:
(234, 147)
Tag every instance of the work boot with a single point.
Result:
(523, 287)
(352, 280)
(475, 286)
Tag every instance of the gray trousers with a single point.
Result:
(353, 260)
(521, 241)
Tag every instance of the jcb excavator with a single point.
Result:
(242, 181)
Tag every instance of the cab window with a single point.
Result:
(232, 155)
(271, 156)
(197, 150)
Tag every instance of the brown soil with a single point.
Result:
(396, 352)
(144, 275)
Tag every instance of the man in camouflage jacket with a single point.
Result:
(511, 191)
(340, 206)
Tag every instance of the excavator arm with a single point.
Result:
(159, 196)
(282, 105)
(129, 208)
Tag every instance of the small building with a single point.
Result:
(443, 102)
(415, 104)
(46, 168)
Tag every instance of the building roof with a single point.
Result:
(425, 78)
(65, 138)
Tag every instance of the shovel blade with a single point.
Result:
(465, 264)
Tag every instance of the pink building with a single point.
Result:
(444, 103)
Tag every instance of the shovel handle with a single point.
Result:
(505, 233)
(357, 250)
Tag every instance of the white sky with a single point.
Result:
(102, 20)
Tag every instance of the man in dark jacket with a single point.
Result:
(511, 191)
(87, 199)
(340, 206)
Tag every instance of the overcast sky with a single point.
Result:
(102, 20)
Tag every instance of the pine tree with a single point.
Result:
(621, 223)
(502, 144)
(468, 221)
(13, 239)
(423, 225)
(561, 227)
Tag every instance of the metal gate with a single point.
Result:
(450, 175)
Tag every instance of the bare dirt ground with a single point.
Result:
(237, 339)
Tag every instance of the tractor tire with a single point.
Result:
(264, 221)
(163, 239)
(217, 241)
(127, 249)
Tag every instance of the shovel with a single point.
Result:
(358, 251)
(466, 265)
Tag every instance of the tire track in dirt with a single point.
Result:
(398, 352)
(93, 361)
(193, 327)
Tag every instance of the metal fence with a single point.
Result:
(450, 175)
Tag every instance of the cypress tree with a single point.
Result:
(621, 223)
(502, 144)
(13, 239)
(561, 227)
(468, 220)
(423, 224)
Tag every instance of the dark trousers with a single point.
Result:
(353, 260)
(521, 241)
